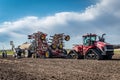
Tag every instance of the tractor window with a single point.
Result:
(93, 38)
(87, 40)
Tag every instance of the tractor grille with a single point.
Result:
(109, 50)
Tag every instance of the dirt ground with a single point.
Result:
(59, 69)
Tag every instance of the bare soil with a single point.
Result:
(59, 69)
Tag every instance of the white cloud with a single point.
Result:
(104, 17)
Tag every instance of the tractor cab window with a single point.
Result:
(89, 40)
(85, 40)
(93, 38)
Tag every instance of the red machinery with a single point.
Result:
(39, 44)
(92, 49)
(56, 47)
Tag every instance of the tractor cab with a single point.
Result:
(89, 39)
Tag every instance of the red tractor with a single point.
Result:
(92, 48)
(39, 45)
(56, 46)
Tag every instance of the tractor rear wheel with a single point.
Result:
(73, 55)
(93, 54)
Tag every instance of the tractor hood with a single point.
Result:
(101, 44)
(104, 47)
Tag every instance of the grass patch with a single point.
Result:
(9, 52)
(117, 51)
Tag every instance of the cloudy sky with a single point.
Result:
(18, 18)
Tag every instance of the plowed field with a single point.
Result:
(59, 69)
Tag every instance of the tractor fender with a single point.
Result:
(101, 52)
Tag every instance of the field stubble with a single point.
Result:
(59, 69)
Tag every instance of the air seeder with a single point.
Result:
(92, 48)
(39, 45)
(56, 46)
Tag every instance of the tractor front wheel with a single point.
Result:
(107, 57)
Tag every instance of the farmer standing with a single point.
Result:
(4, 54)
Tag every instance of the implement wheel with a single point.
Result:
(48, 54)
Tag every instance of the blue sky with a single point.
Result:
(14, 9)
(18, 18)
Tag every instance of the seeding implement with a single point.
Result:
(92, 48)
(56, 46)
(39, 45)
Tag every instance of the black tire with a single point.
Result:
(93, 54)
(108, 57)
(53, 46)
(30, 53)
(48, 54)
(18, 54)
(73, 55)
(64, 52)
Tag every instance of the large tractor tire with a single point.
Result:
(73, 55)
(107, 57)
(48, 54)
(93, 54)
